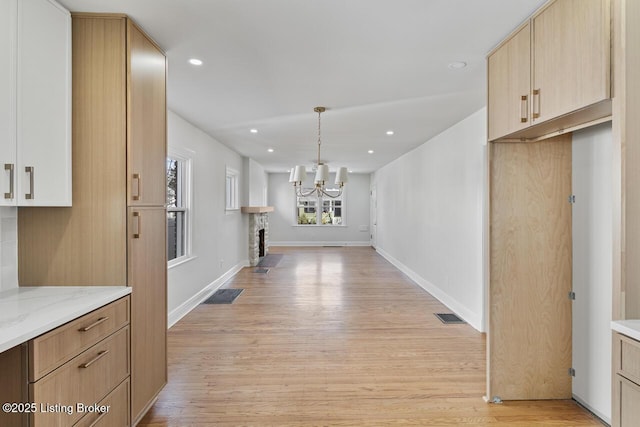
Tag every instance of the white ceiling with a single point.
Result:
(377, 65)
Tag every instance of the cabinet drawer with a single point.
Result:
(85, 379)
(629, 358)
(54, 348)
(116, 406)
(629, 397)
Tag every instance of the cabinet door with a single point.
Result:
(629, 410)
(509, 74)
(44, 104)
(529, 345)
(7, 102)
(571, 57)
(146, 139)
(148, 280)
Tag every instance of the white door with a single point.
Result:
(44, 104)
(592, 268)
(374, 216)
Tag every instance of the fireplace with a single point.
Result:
(258, 232)
(261, 245)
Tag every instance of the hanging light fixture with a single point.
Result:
(299, 174)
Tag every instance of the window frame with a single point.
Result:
(184, 198)
(318, 204)
(232, 201)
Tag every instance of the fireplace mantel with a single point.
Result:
(256, 209)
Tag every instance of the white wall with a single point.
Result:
(430, 210)
(283, 230)
(255, 183)
(8, 248)
(219, 239)
(592, 267)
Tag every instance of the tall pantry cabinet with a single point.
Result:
(115, 233)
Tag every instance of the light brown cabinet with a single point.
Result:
(509, 85)
(115, 233)
(626, 382)
(148, 277)
(64, 373)
(553, 74)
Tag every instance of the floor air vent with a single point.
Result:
(449, 318)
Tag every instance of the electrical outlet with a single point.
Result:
(221, 263)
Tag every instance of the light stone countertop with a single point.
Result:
(27, 312)
(630, 328)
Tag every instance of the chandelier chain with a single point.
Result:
(319, 140)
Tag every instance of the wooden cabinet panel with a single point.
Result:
(560, 60)
(147, 121)
(509, 74)
(147, 277)
(87, 244)
(117, 414)
(529, 349)
(13, 367)
(85, 379)
(50, 350)
(571, 57)
(629, 409)
(44, 104)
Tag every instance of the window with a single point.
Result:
(232, 190)
(331, 212)
(178, 179)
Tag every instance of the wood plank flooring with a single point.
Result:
(334, 337)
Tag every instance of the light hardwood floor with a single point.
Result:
(334, 337)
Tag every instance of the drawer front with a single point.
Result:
(112, 411)
(54, 348)
(630, 358)
(629, 398)
(85, 379)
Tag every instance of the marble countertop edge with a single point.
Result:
(630, 328)
(27, 312)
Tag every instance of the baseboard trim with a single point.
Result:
(470, 317)
(183, 309)
(597, 414)
(317, 243)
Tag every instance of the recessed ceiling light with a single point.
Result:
(194, 61)
(254, 131)
(370, 151)
(456, 65)
(350, 171)
(390, 132)
(270, 150)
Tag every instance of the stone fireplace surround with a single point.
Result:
(258, 220)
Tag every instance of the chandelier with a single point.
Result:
(299, 173)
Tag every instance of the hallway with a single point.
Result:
(333, 336)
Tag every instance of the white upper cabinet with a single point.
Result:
(35, 97)
(8, 13)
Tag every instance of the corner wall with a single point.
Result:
(219, 238)
(430, 216)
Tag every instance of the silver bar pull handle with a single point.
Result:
(138, 230)
(100, 355)
(95, 423)
(536, 103)
(136, 195)
(30, 171)
(524, 109)
(9, 167)
(94, 324)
